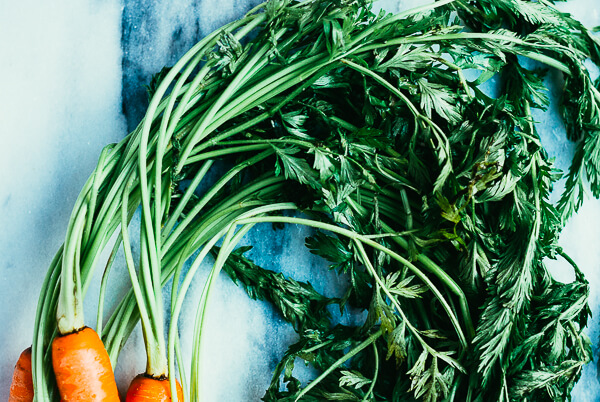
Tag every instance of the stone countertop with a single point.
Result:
(71, 81)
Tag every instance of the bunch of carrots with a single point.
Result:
(138, 174)
(206, 119)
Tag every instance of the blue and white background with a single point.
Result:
(71, 81)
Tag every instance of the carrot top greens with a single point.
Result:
(428, 194)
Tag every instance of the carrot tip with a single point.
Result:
(21, 388)
(82, 367)
(147, 388)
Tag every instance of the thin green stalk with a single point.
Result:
(375, 374)
(338, 363)
(199, 131)
(218, 138)
(460, 74)
(146, 279)
(211, 193)
(93, 195)
(121, 331)
(154, 365)
(393, 19)
(45, 302)
(542, 58)
(433, 268)
(381, 285)
(69, 313)
(227, 151)
(186, 197)
(115, 321)
(232, 238)
(196, 264)
(365, 240)
(104, 283)
(180, 366)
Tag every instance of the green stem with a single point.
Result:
(69, 313)
(196, 264)
(104, 283)
(200, 131)
(381, 285)
(212, 192)
(45, 304)
(154, 366)
(232, 238)
(375, 374)
(542, 58)
(393, 19)
(227, 151)
(218, 138)
(93, 195)
(371, 339)
(385, 83)
(365, 240)
(436, 270)
(186, 197)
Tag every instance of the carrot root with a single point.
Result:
(144, 388)
(21, 388)
(82, 368)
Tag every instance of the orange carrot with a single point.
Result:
(82, 368)
(21, 389)
(144, 388)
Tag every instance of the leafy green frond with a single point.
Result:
(439, 98)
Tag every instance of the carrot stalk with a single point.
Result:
(21, 388)
(145, 388)
(154, 384)
(82, 368)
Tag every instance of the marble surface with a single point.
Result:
(71, 77)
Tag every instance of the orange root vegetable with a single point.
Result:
(82, 368)
(144, 388)
(21, 388)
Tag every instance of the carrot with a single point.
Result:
(145, 388)
(82, 367)
(21, 388)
